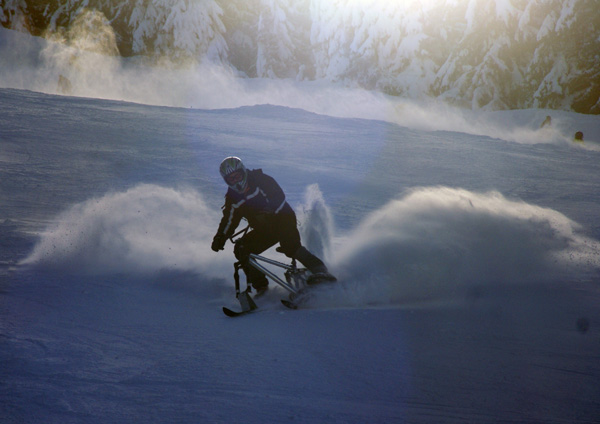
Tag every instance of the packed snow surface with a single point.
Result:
(466, 246)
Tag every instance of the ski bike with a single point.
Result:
(295, 280)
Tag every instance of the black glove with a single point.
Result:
(218, 242)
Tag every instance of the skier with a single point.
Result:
(258, 198)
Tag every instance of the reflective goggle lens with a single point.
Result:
(234, 178)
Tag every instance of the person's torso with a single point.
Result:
(262, 196)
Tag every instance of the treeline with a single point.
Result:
(493, 54)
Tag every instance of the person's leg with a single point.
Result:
(254, 242)
(289, 239)
(310, 261)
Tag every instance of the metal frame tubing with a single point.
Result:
(254, 262)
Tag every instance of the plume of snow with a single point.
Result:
(440, 241)
(145, 229)
(316, 222)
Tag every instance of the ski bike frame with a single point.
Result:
(295, 278)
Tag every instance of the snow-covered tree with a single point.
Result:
(585, 56)
(65, 12)
(144, 23)
(269, 38)
(179, 29)
(331, 35)
(480, 53)
(279, 38)
(407, 64)
(377, 44)
(481, 68)
(565, 64)
(240, 18)
(14, 14)
(195, 29)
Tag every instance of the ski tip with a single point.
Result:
(289, 304)
(319, 278)
(231, 313)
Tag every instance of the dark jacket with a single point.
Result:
(262, 205)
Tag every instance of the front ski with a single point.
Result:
(248, 305)
(289, 304)
(304, 296)
(298, 299)
(232, 313)
(320, 278)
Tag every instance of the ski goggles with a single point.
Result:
(235, 177)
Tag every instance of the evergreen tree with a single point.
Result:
(179, 29)
(278, 37)
(240, 18)
(480, 53)
(562, 71)
(14, 14)
(331, 34)
(147, 17)
(481, 69)
(407, 64)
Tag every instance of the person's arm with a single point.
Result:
(229, 222)
(274, 193)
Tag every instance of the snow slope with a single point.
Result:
(468, 257)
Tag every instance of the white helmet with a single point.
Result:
(234, 173)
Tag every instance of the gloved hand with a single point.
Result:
(218, 242)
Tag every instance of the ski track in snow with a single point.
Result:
(468, 269)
